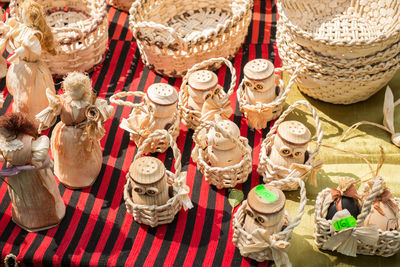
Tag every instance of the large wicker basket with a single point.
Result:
(174, 35)
(258, 245)
(192, 118)
(271, 171)
(154, 215)
(222, 177)
(388, 242)
(342, 28)
(81, 30)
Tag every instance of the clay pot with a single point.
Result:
(162, 100)
(351, 204)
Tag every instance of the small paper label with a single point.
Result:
(345, 223)
(265, 193)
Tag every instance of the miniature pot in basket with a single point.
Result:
(152, 194)
(173, 36)
(158, 110)
(285, 152)
(260, 243)
(80, 28)
(200, 95)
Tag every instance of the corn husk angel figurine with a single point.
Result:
(28, 77)
(36, 201)
(75, 141)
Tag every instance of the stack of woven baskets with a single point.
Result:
(348, 49)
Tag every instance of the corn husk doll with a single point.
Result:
(28, 76)
(36, 201)
(75, 140)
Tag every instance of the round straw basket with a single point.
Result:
(174, 35)
(192, 118)
(156, 143)
(262, 247)
(341, 28)
(271, 171)
(123, 5)
(222, 177)
(259, 115)
(80, 28)
(154, 215)
(388, 242)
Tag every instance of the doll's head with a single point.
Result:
(78, 86)
(33, 16)
(15, 123)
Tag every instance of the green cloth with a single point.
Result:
(336, 119)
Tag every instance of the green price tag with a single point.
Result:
(345, 223)
(265, 194)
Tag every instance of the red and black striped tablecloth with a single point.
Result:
(96, 229)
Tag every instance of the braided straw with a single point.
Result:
(115, 98)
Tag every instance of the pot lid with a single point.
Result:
(294, 132)
(258, 69)
(203, 80)
(162, 94)
(146, 170)
(266, 199)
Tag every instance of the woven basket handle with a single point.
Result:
(293, 77)
(115, 98)
(290, 109)
(175, 150)
(156, 27)
(377, 189)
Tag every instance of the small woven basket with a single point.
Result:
(271, 171)
(192, 118)
(389, 241)
(154, 215)
(123, 5)
(262, 247)
(157, 143)
(174, 35)
(341, 28)
(80, 28)
(222, 177)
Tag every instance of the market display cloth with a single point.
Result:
(97, 230)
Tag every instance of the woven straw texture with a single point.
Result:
(275, 244)
(81, 29)
(341, 28)
(156, 143)
(389, 241)
(192, 118)
(123, 5)
(271, 171)
(154, 215)
(172, 36)
(222, 177)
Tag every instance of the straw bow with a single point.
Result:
(183, 192)
(336, 194)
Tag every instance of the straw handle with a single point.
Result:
(282, 97)
(159, 28)
(115, 99)
(366, 208)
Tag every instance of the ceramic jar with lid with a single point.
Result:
(259, 81)
(290, 144)
(265, 209)
(149, 181)
(201, 85)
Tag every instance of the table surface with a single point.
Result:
(97, 230)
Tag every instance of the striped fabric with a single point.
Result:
(97, 230)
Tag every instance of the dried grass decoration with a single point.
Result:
(221, 154)
(145, 196)
(80, 28)
(261, 245)
(200, 95)
(275, 170)
(158, 110)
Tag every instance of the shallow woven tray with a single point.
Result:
(174, 35)
(81, 29)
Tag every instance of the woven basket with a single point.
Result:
(154, 215)
(389, 241)
(341, 28)
(81, 29)
(263, 113)
(174, 35)
(192, 118)
(123, 5)
(272, 247)
(272, 172)
(157, 143)
(222, 177)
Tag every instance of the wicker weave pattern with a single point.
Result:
(172, 36)
(81, 31)
(272, 172)
(389, 241)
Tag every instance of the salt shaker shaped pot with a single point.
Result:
(290, 144)
(259, 81)
(201, 85)
(265, 209)
(149, 181)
